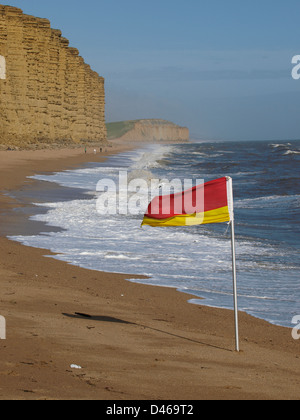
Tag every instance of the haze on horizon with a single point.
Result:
(222, 68)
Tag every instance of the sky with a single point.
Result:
(223, 68)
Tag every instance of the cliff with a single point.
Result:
(48, 94)
(148, 131)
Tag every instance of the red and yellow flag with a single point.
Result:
(207, 203)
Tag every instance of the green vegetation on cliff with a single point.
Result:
(156, 130)
(116, 130)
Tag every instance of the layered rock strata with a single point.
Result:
(153, 130)
(48, 94)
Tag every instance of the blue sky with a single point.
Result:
(222, 68)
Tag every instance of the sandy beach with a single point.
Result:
(132, 341)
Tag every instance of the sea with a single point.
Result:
(193, 259)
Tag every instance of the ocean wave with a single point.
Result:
(152, 158)
(276, 145)
(292, 152)
(250, 173)
(119, 256)
(200, 154)
(196, 259)
(268, 201)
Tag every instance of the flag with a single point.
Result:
(210, 202)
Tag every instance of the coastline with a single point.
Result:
(140, 342)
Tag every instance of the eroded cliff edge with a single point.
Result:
(48, 94)
(153, 130)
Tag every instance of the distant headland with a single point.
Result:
(147, 130)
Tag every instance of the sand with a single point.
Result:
(132, 341)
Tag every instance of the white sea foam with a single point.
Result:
(292, 152)
(276, 145)
(191, 260)
(269, 201)
(171, 257)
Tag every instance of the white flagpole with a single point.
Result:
(236, 313)
(231, 208)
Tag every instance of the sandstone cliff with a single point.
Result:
(148, 131)
(48, 94)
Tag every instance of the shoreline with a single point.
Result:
(139, 342)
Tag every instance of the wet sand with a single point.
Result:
(133, 342)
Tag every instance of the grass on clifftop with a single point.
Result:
(118, 129)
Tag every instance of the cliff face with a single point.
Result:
(148, 130)
(47, 92)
